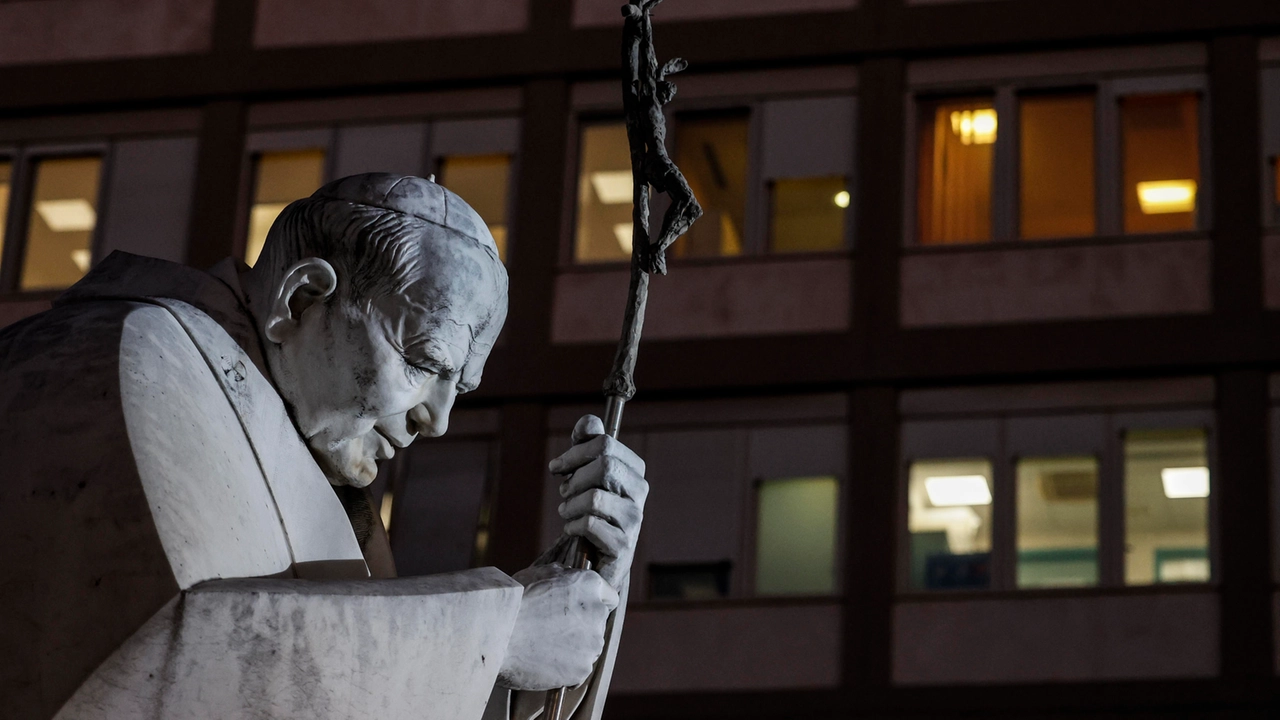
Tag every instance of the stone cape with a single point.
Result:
(147, 457)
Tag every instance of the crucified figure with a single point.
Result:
(643, 99)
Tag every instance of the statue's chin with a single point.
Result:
(346, 465)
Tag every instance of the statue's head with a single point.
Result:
(379, 299)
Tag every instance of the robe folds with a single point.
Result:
(171, 548)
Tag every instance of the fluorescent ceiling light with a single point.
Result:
(1167, 196)
(842, 199)
(613, 187)
(81, 258)
(1186, 482)
(623, 232)
(975, 127)
(955, 490)
(74, 215)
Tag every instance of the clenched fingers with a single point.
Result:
(606, 537)
(620, 512)
(610, 474)
(586, 452)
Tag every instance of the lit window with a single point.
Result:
(279, 179)
(483, 181)
(64, 214)
(1161, 161)
(1167, 485)
(689, 581)
(949, 518)
(957, 152)
(6, 180)
(796, 536)
(604, 195)
(808, 214)
(1057, 166)
(711, 150)
(1057, 522)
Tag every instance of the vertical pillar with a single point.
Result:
(515, 520)
(215, 210)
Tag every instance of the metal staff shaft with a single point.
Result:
(645, 90)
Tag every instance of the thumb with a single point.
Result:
(589, 426)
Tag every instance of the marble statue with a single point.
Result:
(185, 528)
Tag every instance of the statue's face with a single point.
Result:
(364, 381)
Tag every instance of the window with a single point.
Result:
(482, 180)
(1036, 163)
(1057, 522)
(6, 184)
(604, 195)
(1160, 137)
(711, 151)
(957, 155)
(279, 178)
(1057, 166)
(1166, 485)
(796, 536)
(807, 214)
(689, 581)
(949, 518)
(1068, 500)
(62, 221)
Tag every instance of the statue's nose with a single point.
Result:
(430, 418)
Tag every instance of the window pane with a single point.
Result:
(1166, 483)
(796, 536)
(483, 181)
(604, 195)
(808, 214)
(64, 213)
(279, 179)
(957, 151)
(949, 518)
(1057, 193)
(712, 153)
(1161, 135)
(689, 581)
(6, 180)
(1057, 522)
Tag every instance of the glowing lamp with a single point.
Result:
(957, 490)
(613, 187)
(975, 127)
(1185, 482)
(1167, 196)
(74, 215)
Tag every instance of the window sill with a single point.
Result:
(738, 603)
(1055, 593)
(674, 264)
(1095, 241)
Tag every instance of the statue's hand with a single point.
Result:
(559, 631)
(603, 495)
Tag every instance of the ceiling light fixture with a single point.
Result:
(622, 231)
(975, 127)
(957, 490)
(613, 187)
(82, 258)
(1185, 482)
(842, 199)
(73, 215)
(1167, 196)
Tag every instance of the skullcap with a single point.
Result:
(412, 196)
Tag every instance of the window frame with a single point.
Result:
(23, 159)
(992, 436)
(756, 240)
(1108, 158)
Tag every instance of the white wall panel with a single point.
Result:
(398, 149)
(149, 198)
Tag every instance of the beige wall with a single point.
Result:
(1025, 284)
(768, 297)
(54, 31)
(334, 22)
(1077, 639)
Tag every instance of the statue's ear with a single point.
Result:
(308, 282)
